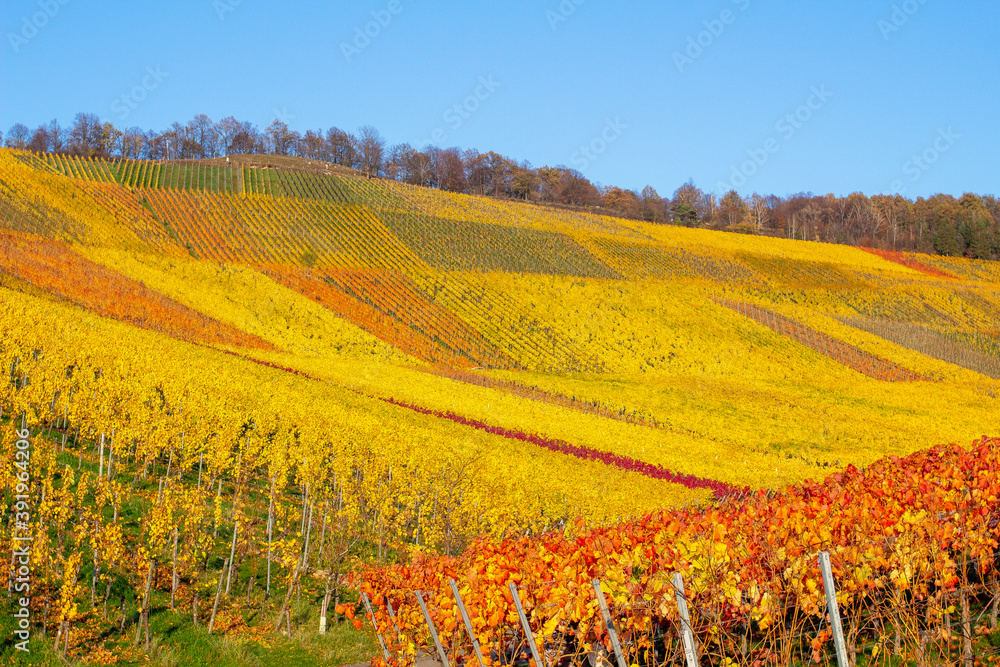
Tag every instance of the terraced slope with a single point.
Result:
(781, 354)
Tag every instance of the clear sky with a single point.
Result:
(776, 96)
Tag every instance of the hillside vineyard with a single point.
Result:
(268, 390)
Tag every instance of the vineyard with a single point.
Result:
(252, 392)
(913, 544)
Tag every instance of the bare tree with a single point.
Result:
(39, 139)
(279, 137)
(732, 209)
(651, 205)
(371, 147)
(450, 170)
(342, 146)
(863, 223)
(313, 146)
(57, 136)
(133, 143)
(710, 206)
(246, 141)
(500, 172)
(202, 132)
(227, 129)
(396, 162)
(761, 211)
(418, 168)
(477, 171)
(154, 146)
(839, 211)
(176, 141)
(17, 136)
(85, 135)
(574, 188)
(810, 218)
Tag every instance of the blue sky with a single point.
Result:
(773, 97)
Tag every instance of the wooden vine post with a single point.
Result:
(833, 609)
(609, 623)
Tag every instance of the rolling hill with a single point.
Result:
(267, 347)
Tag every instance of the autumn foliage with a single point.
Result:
(719, 489)
(391, 307)
(910, 263)
(494, 392)
(841, 352)
(57, 269)
(919, 527)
